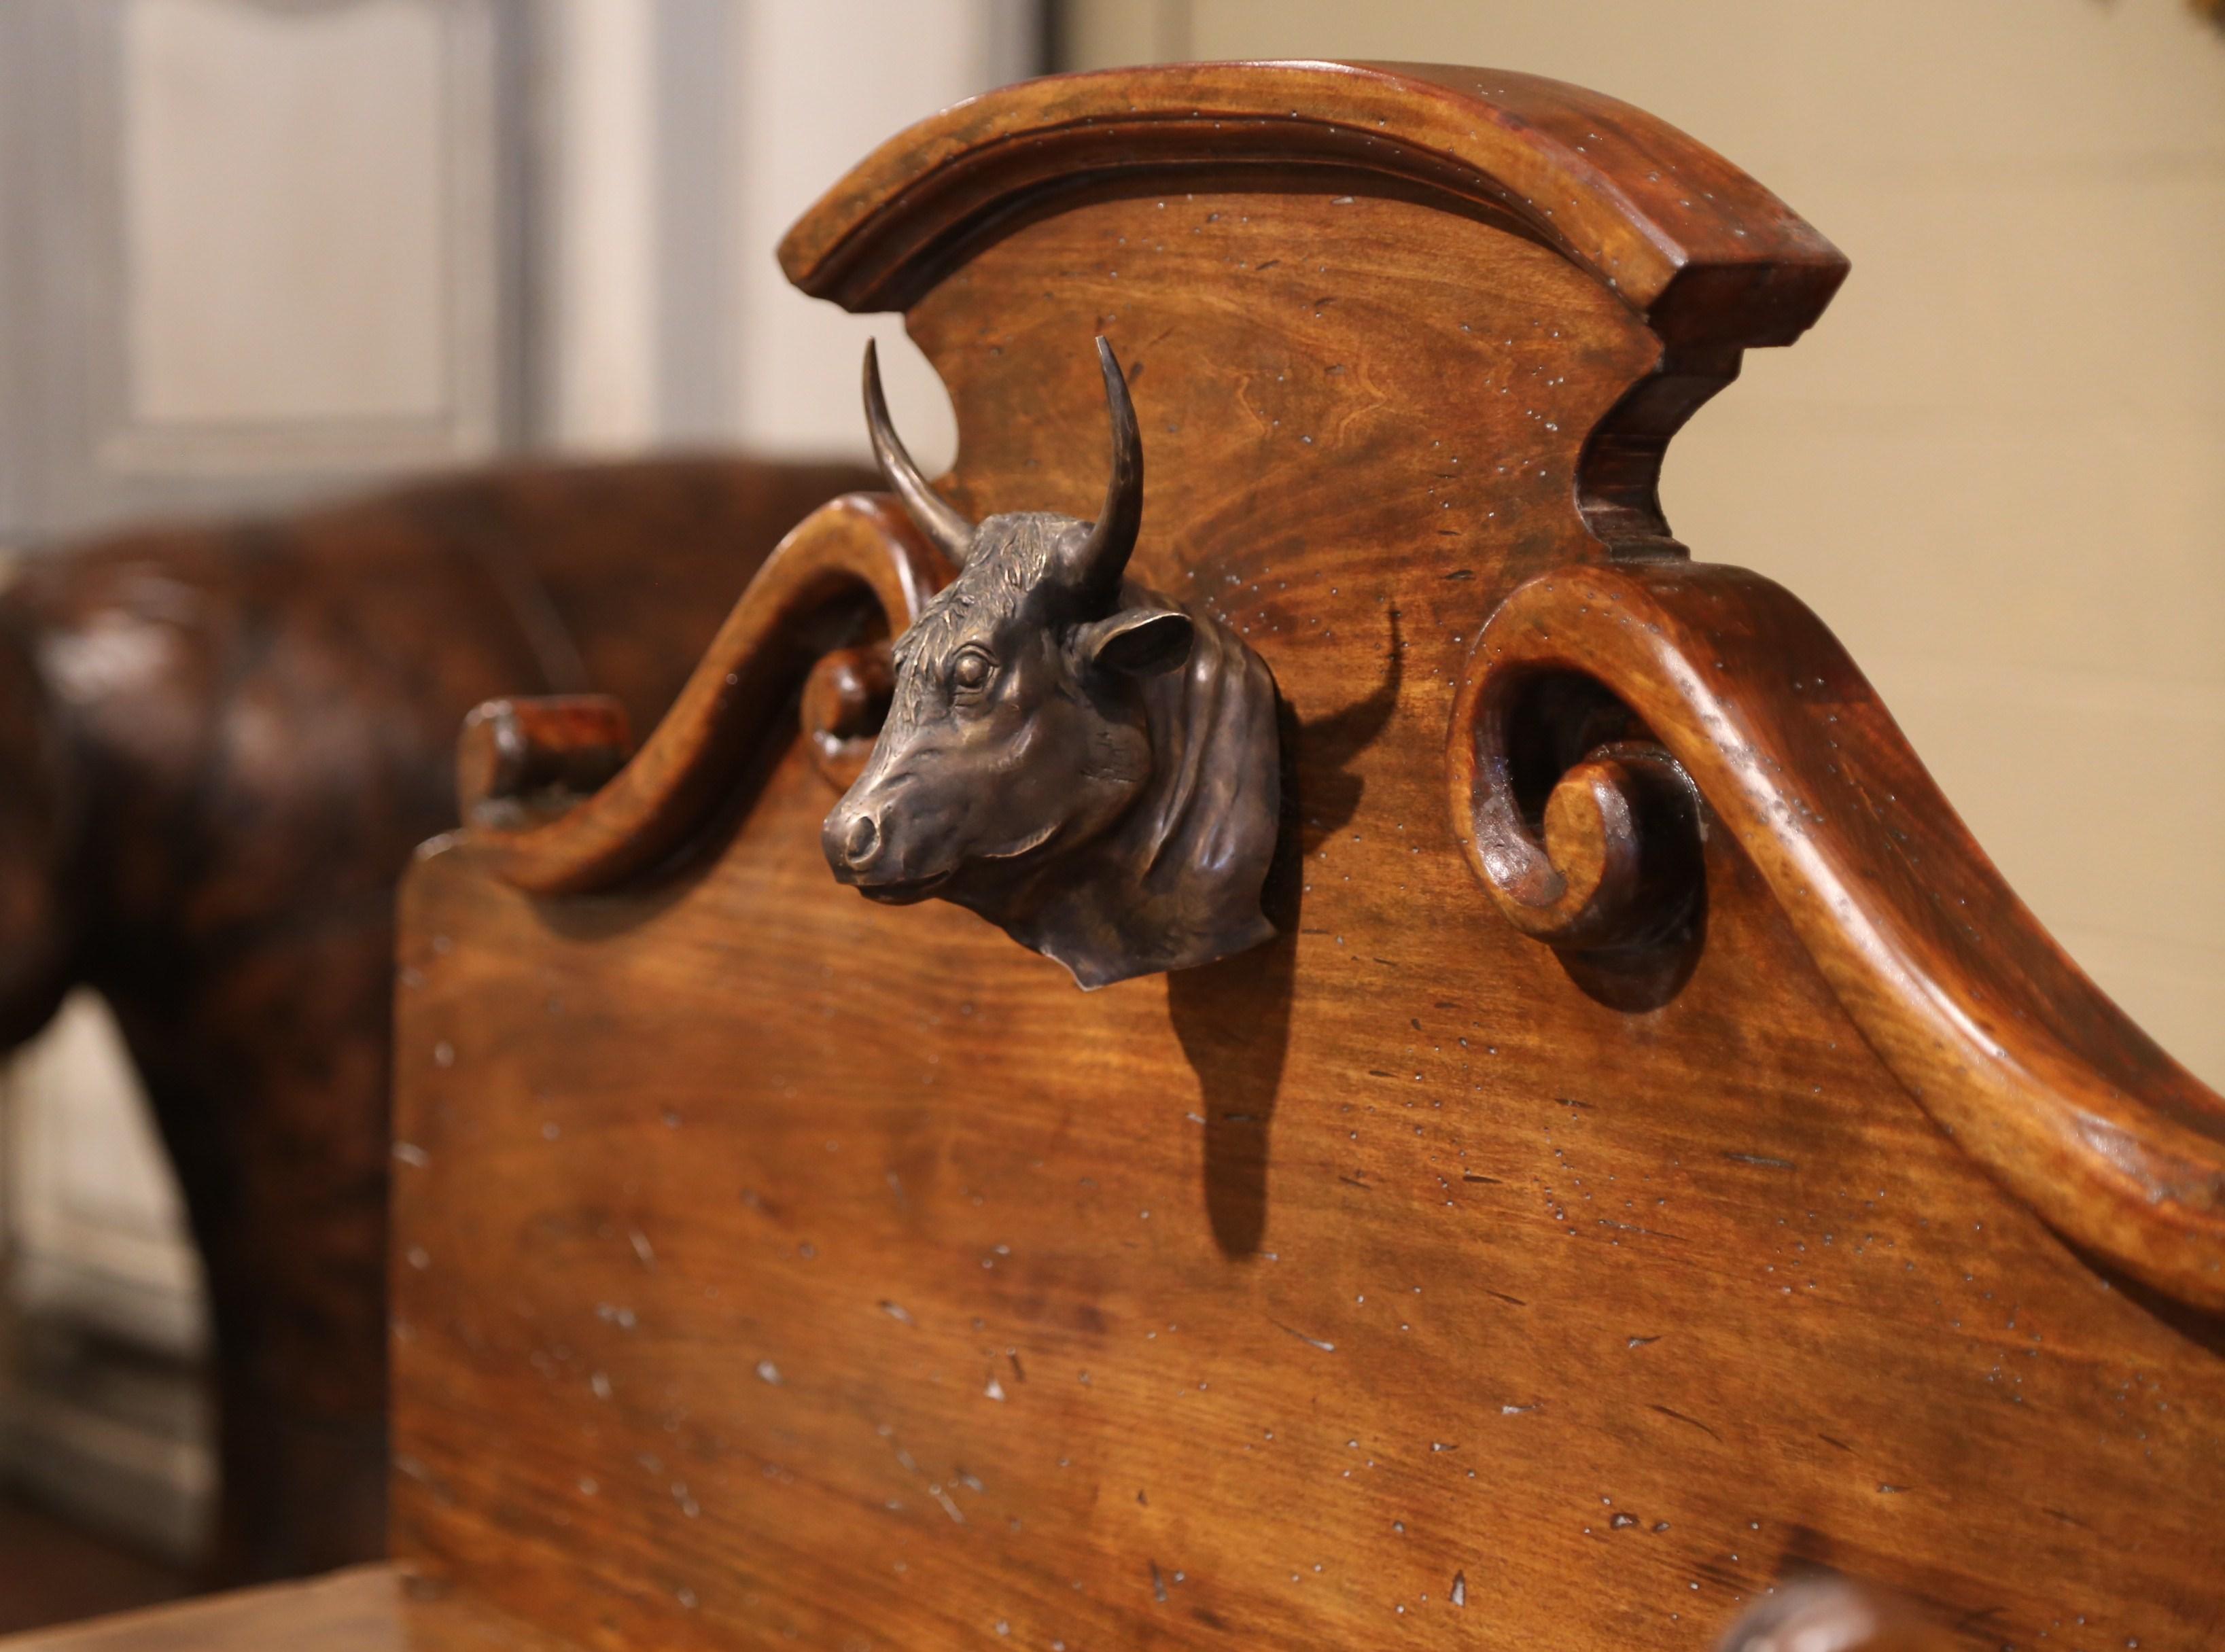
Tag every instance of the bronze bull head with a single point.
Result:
(1091, 767)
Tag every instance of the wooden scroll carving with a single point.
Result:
(1088, 766)
(802, 608)
(845, 699)
(1991, 1027)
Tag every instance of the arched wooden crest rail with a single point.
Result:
(2001, 1037)
(1565, 1262)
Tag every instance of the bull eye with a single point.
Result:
(971, 671)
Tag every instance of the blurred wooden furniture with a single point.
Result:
(1657, 1161)
(221, 744)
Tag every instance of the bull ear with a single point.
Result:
(1136, 641)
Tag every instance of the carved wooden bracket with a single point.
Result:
(520, 762)
(1730, 681)
(805, 605)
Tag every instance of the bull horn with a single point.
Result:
(1097, 562)
(934, 515)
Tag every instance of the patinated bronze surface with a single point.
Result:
(1833, 1613)
(1085, 763)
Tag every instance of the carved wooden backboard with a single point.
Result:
(1656, 1158)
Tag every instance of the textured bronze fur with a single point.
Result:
(1090, 767)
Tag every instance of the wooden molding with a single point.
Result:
(1706, 255)
(1962, 994)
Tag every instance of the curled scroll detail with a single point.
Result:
(1594, 693)
(845, 700)
(853, 561)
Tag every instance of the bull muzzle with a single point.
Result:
(856, 840)
(861, 842)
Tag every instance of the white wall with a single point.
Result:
(687, 135)
(254, 251)
(248, 253)
(597, 266)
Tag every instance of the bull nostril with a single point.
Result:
(864, 838)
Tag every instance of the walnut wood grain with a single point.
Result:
(808, 598)
(364, 1609)
(1712, 261)
(1992, 1029)
(778, 1266)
